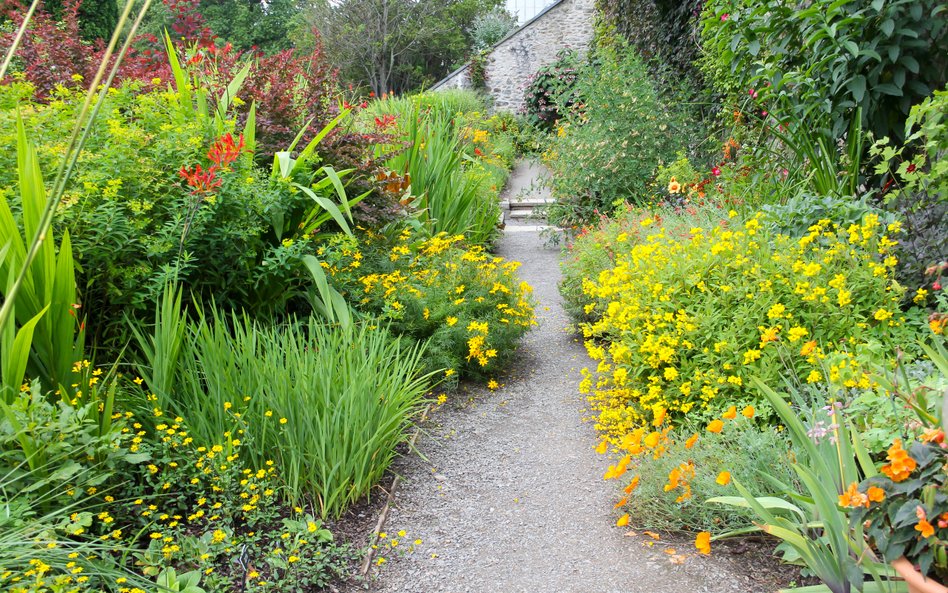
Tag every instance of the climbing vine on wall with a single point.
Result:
(661, 30)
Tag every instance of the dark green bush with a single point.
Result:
(552, 91)
(819, 61)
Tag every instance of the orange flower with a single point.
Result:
(673, 186)
(748, 412)
(808, 348)
(703, 542)
(731, 413)
(724, 478)
(623, 520)
(621, 503)
(659, 416)
(614, 471)
(853, 497)
(632, 485)
(933, 435)
(901, 464)
(602, 447)
(875, 494)
(651, 441)
(715, 426)
(925, 528)
(691, 441)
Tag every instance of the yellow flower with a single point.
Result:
(724, 478)
(451, 320)
(882, 314)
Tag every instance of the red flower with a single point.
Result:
(716, 171)
(936, 285)
(223, 152)
(910, 168)
(725, 16)
(201, 180)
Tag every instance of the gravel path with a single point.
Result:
(509, 497)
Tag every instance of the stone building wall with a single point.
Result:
(510, 64)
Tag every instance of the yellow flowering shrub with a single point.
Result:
(469, 304)
(680, 322)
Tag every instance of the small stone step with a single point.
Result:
(530, 202)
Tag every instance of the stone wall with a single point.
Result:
(510, 64)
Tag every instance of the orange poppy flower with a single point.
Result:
(748, 412)
(623, 520)
(703, 542)
(715, 426)
(724, 478)
(731, 413)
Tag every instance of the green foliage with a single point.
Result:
(448, 197)
(662, 31)
(466, 305)
(818, 309)
(609, 150)
(398, 46)
(816, 528)
(490, 27)
(552, 91)
(307, 397)
(918, 173)
(818, 62)
(745, 451)
(97, 18)
(204, 508)
(134, 224)
(46, 305)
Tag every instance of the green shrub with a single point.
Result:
(552, 91)
(468, 306)
(683, 319)
(448, 196)
(817, 62)
(608, 151)
(328, 406)
(138, 214)
(746, 452)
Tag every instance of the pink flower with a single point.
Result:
(936, 285)
(716, 171)
(752, 93)
(724, 16)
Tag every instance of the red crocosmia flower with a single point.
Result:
(225, 151)
(385, 122)
(199, 179)
(478, 152)
(910, 168)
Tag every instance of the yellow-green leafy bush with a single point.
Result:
(468, 303)
(681, 321)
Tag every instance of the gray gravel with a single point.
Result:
(509, 497)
